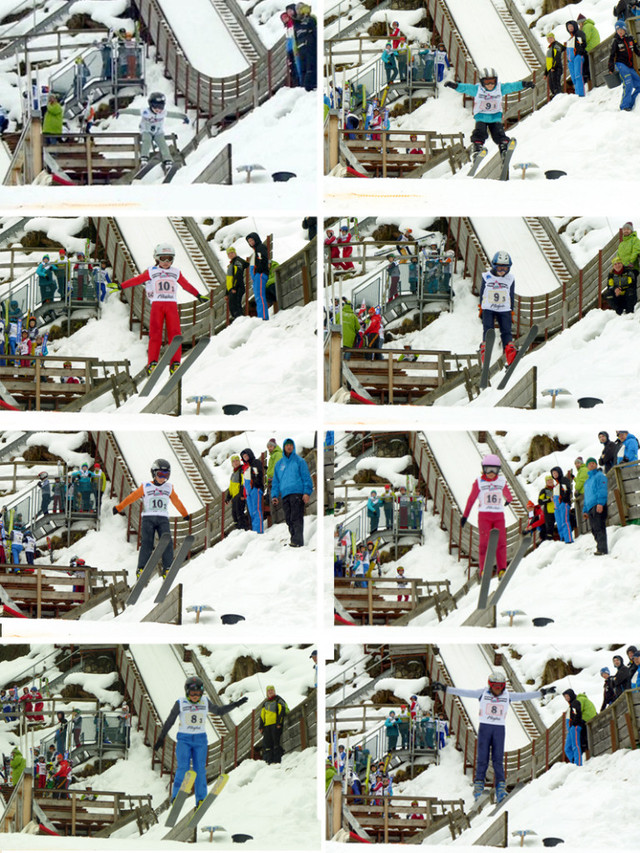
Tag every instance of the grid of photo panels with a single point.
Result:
(159, 429)
(479, 382)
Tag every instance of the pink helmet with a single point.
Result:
(490, 459)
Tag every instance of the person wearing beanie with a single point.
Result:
(562, 504)
(594, 506)
(272, 713)
(292, 485)
(632, 667)
(620, 291)
(235, 283)
(235, 495)
(553, 69)
(536, 518)
(608, 689)
(572, 743)
(545, 500)
(582, 473)
(623, 46)
(635, 680)
(275, 455)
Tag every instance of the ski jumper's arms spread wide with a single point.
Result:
(139, 493)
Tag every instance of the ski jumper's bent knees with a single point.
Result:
(487, 521)
(191, 752)
(146, 145)
(490, 741)
(152, 524)
(482, 130)
(259, 282)
(161, 313)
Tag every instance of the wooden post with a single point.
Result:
(87, 151)
(39, 592)
(334, 140)
(390, 376)
(335, 361)
(37, 377)
(370, 599)
(74, 805)
(336, 807)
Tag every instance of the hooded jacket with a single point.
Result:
(291, 475)
(609, 452)
(564, 485)
(628, 449)
(591, 34)
(621, 680)
(348, 319)
(257, 470)
(629, 248)
(622, 50)
(575, 708)
(580, 39)
(235, 274)
(260, 264)
(275, 456)
(595, 490)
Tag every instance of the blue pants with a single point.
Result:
(13, 342)
(575, 64)
(572, 748)
(442, 740)
(46, 499)
(259, 281)
(254, 508)
(191, 753)
(630, 85)
(563, 520)
(490, 739)
(504, 324)
(16, 550)
(440, 66)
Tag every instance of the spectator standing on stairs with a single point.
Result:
(191, 741)
(45, 489)
(156, 496)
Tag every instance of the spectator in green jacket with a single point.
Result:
(18, 763)
(348, 320)
(582, 472)
(53, 119)
(629, 248)
(588, 27)
(275, 454)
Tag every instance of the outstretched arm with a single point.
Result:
(173, 716)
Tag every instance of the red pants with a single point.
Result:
(161, 313)
(487, 521)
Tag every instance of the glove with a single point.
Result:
(507, 503)
(545, 690)
(241, 701)
(187, 517)
(227, 500)
(185, 120)
(202, 298)
(116, 511)
(451, 85)
(546, 72)
(463, 521)
(528, 84)
(158, 744)
(114, 285)
(438, 685)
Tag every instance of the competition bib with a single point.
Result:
(493, 710)
(162, 285)
(496, 295)
(488, 102)
(491, 498)
(193, 716)
(156, 499)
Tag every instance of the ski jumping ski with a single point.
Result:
(150, 566)
(184, 791)
(523, 547)
(486, 361)
(190, 822)
(193, 354)
(529, 339)
(166, 357)
(506, 159)
(487, 569)
(178, 559)
(477, 159)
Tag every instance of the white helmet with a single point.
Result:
(497, 679)
(488, 73)
(163, 249)
(501, 259)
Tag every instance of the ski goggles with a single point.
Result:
(165, 257)
(163, 474)
(491, 469)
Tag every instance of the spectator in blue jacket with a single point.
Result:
(390, 65)
(392, 730)
(373, 511)
(628, 447)
(595, 505)
(292, 482)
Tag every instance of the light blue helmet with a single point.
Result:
(501, 259)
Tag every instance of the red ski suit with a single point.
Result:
(347, 251)
(162, 286)
(490, 515)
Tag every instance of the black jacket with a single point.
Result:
(609, 453)
(257, 470)
(580, 38)
(575, 708)
(236, 270)
(565, 485)
(608, 693)
(621, 680)
(622, 50)
(261, 264)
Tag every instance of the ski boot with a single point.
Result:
(482, 349)
(151, 367)
(478, 789)
(143, 162)
(503, 146)
(476, 148)
(510, 352)
(167, 166)
(501, 791)
(174, 366)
